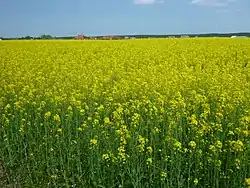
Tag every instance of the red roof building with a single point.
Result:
(80, 37)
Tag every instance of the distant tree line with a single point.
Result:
(193, 35)
(49, 37)
(42, 37)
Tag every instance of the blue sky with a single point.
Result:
(104, 17)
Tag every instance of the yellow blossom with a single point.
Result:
(47, 115)
(192, 144)
(149, 161)
(247, 181)
(57, 117)
(196, 181)
(93, 141)
(149, 149)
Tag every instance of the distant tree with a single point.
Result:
(46, 37)
(27, 37)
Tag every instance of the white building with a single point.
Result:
(239, 37)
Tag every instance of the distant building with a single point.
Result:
(106, 38)
(80, 37)
(239, 37)
(184, 36)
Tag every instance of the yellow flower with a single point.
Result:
(163, 176)
(106, 120)
(70, 108)
(59, 131)
(245, 133)
(149, 149)
(17, 105)
(218, 163)
(21, 129)
(47, 115)
(81, 112)
(192, 144)
(230, 133)
(57, 117)
(196, 181)
(247, 181)
(149, 161)
(105, 156)
(218, 144)
(212, 148)
(220, 115)
(7, 106)
(156, 130)
(80, 129)
(193, 120)
(177, 145)
(238, 145)
(93, 141)
(237, 163)
(84, 125)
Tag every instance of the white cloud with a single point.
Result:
(147, 2)
(214, 3)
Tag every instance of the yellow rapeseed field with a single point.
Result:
(126, 113)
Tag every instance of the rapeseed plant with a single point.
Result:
(116, 113)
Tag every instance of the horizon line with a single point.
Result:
(178, 34)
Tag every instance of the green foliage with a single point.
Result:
(46, 37)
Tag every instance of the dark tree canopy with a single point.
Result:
(46, 37)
